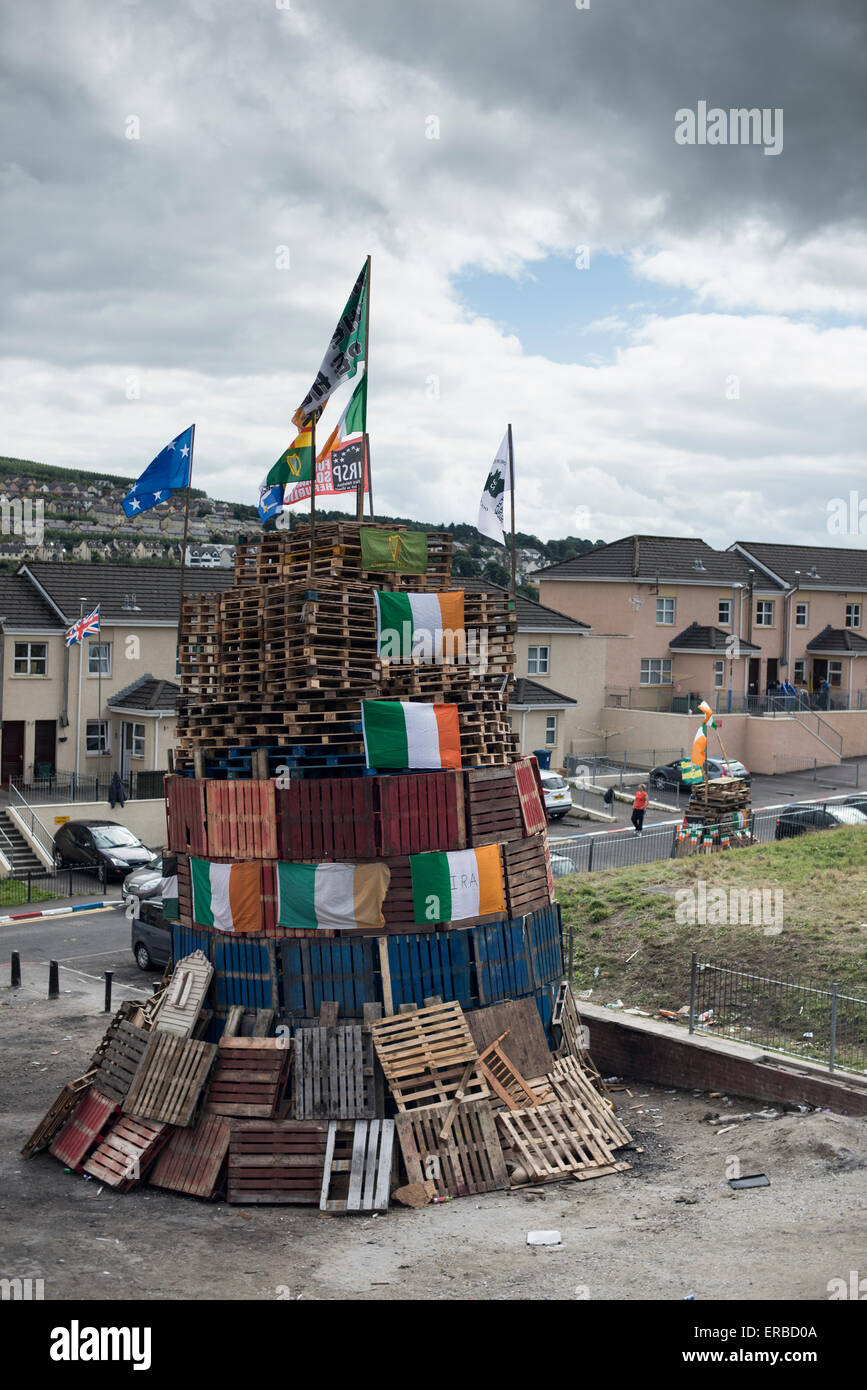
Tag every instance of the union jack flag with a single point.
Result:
(85, 627)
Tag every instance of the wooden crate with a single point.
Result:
(121, 1059)
(249, 1077)
(333, 1074)
(493, 806)
(170, 1079)
(193, 1159)
(470, 1158)
(526, 874)
(127, 1152)
(359, 1157)
(57, 1114)
(427, 1056)
(276, 1161)
(91, 1118)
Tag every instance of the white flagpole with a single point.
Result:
(82, 602)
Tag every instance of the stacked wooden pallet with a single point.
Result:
(284, 557)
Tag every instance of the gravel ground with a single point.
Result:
(668, 1228)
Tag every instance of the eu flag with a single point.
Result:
(169, 471)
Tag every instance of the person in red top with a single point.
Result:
(639, 806)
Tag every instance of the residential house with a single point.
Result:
(125, 675)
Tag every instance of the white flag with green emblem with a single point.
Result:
(493, 497)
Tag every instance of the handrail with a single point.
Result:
(798, 713)
(25, 810)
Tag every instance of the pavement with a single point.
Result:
(85, 945)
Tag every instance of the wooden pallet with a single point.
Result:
(358, 1165)
(249, 1078)
(333, 1074)
(554, 1141)
(170, 1079)
(517, 1021)
(493, 806)
(470, 1158)
(572, 1083)
(127, 1152)
(504, 1079)
(533, 813)
(573, 1037)
(192, 1161)
(427, 1056)
(526, 872)
(185, 995)
(57, 1114)
(276, 1161)
(92, 1117)
(120, 1061)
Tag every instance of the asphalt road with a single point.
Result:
(85, 944)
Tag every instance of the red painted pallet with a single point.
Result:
(421, 812)
(328, 819)
(84, 1129)
(241, 819)
(127, 1152)
(249, 1077)
(530, 794)
(274, 1161)
(185, 815)
(193, 1159)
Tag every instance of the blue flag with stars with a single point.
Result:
(169, 471)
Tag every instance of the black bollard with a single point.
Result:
(53, 977)
(109, 976)
(15, 978)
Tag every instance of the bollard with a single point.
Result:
(53, 985)
(109, 976)
(15, 977)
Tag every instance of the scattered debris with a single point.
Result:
(751, 1180)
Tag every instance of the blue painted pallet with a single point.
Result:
(341, 969)
(245, 969)
(425, 963)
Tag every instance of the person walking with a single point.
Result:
(639, 807)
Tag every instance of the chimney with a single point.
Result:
(636, 555)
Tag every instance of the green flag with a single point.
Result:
(344, 352)
(296, 464)
(393, 551)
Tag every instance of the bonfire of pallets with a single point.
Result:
(407, 1043)
(718, 817)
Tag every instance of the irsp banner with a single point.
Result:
(338, 472)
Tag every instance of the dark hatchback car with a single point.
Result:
(668, 776)
(802, 819)
(100, 844)
(151, 939)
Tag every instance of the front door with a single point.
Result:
(773, 675)
(12, 756)
(43, 748)
(753, 676)
(125, 750)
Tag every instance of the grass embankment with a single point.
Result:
(633, 913)
(13, 892)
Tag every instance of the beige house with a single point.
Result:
(101, 706)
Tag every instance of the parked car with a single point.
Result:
(858, 800)
(561, 865)
(151, 939)
(668, 776)
(801, 819)
(145, 883)
(101, 844)
(558, 797)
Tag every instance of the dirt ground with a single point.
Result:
(668, 1228)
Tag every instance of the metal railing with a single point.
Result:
(39, 832)
(664, 699)
(823, 1023)
(34, 887)
(67, 786)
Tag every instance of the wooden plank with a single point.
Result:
(504, 1079)
(358, 1166)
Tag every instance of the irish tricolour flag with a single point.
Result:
(338, 896)
(227, 897)
(449, 887)
(399, 733)
(699, 743)
(424, 627)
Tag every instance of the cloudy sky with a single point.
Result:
(677, 332)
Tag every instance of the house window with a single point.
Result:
(719, 673)
(724, 612)
(97, 736)
(138, 740)
(655, 671)
(835, 673)
(30, 658)
(665, 611)
(800, 673)
(853, 615)
(537, 661)
(802, 614)
(99, 659)
(765, 613)
(550, 730)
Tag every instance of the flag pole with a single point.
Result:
(512, 498)
(81, 603)
(313, 494)
(365, 458)
(186, 533)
